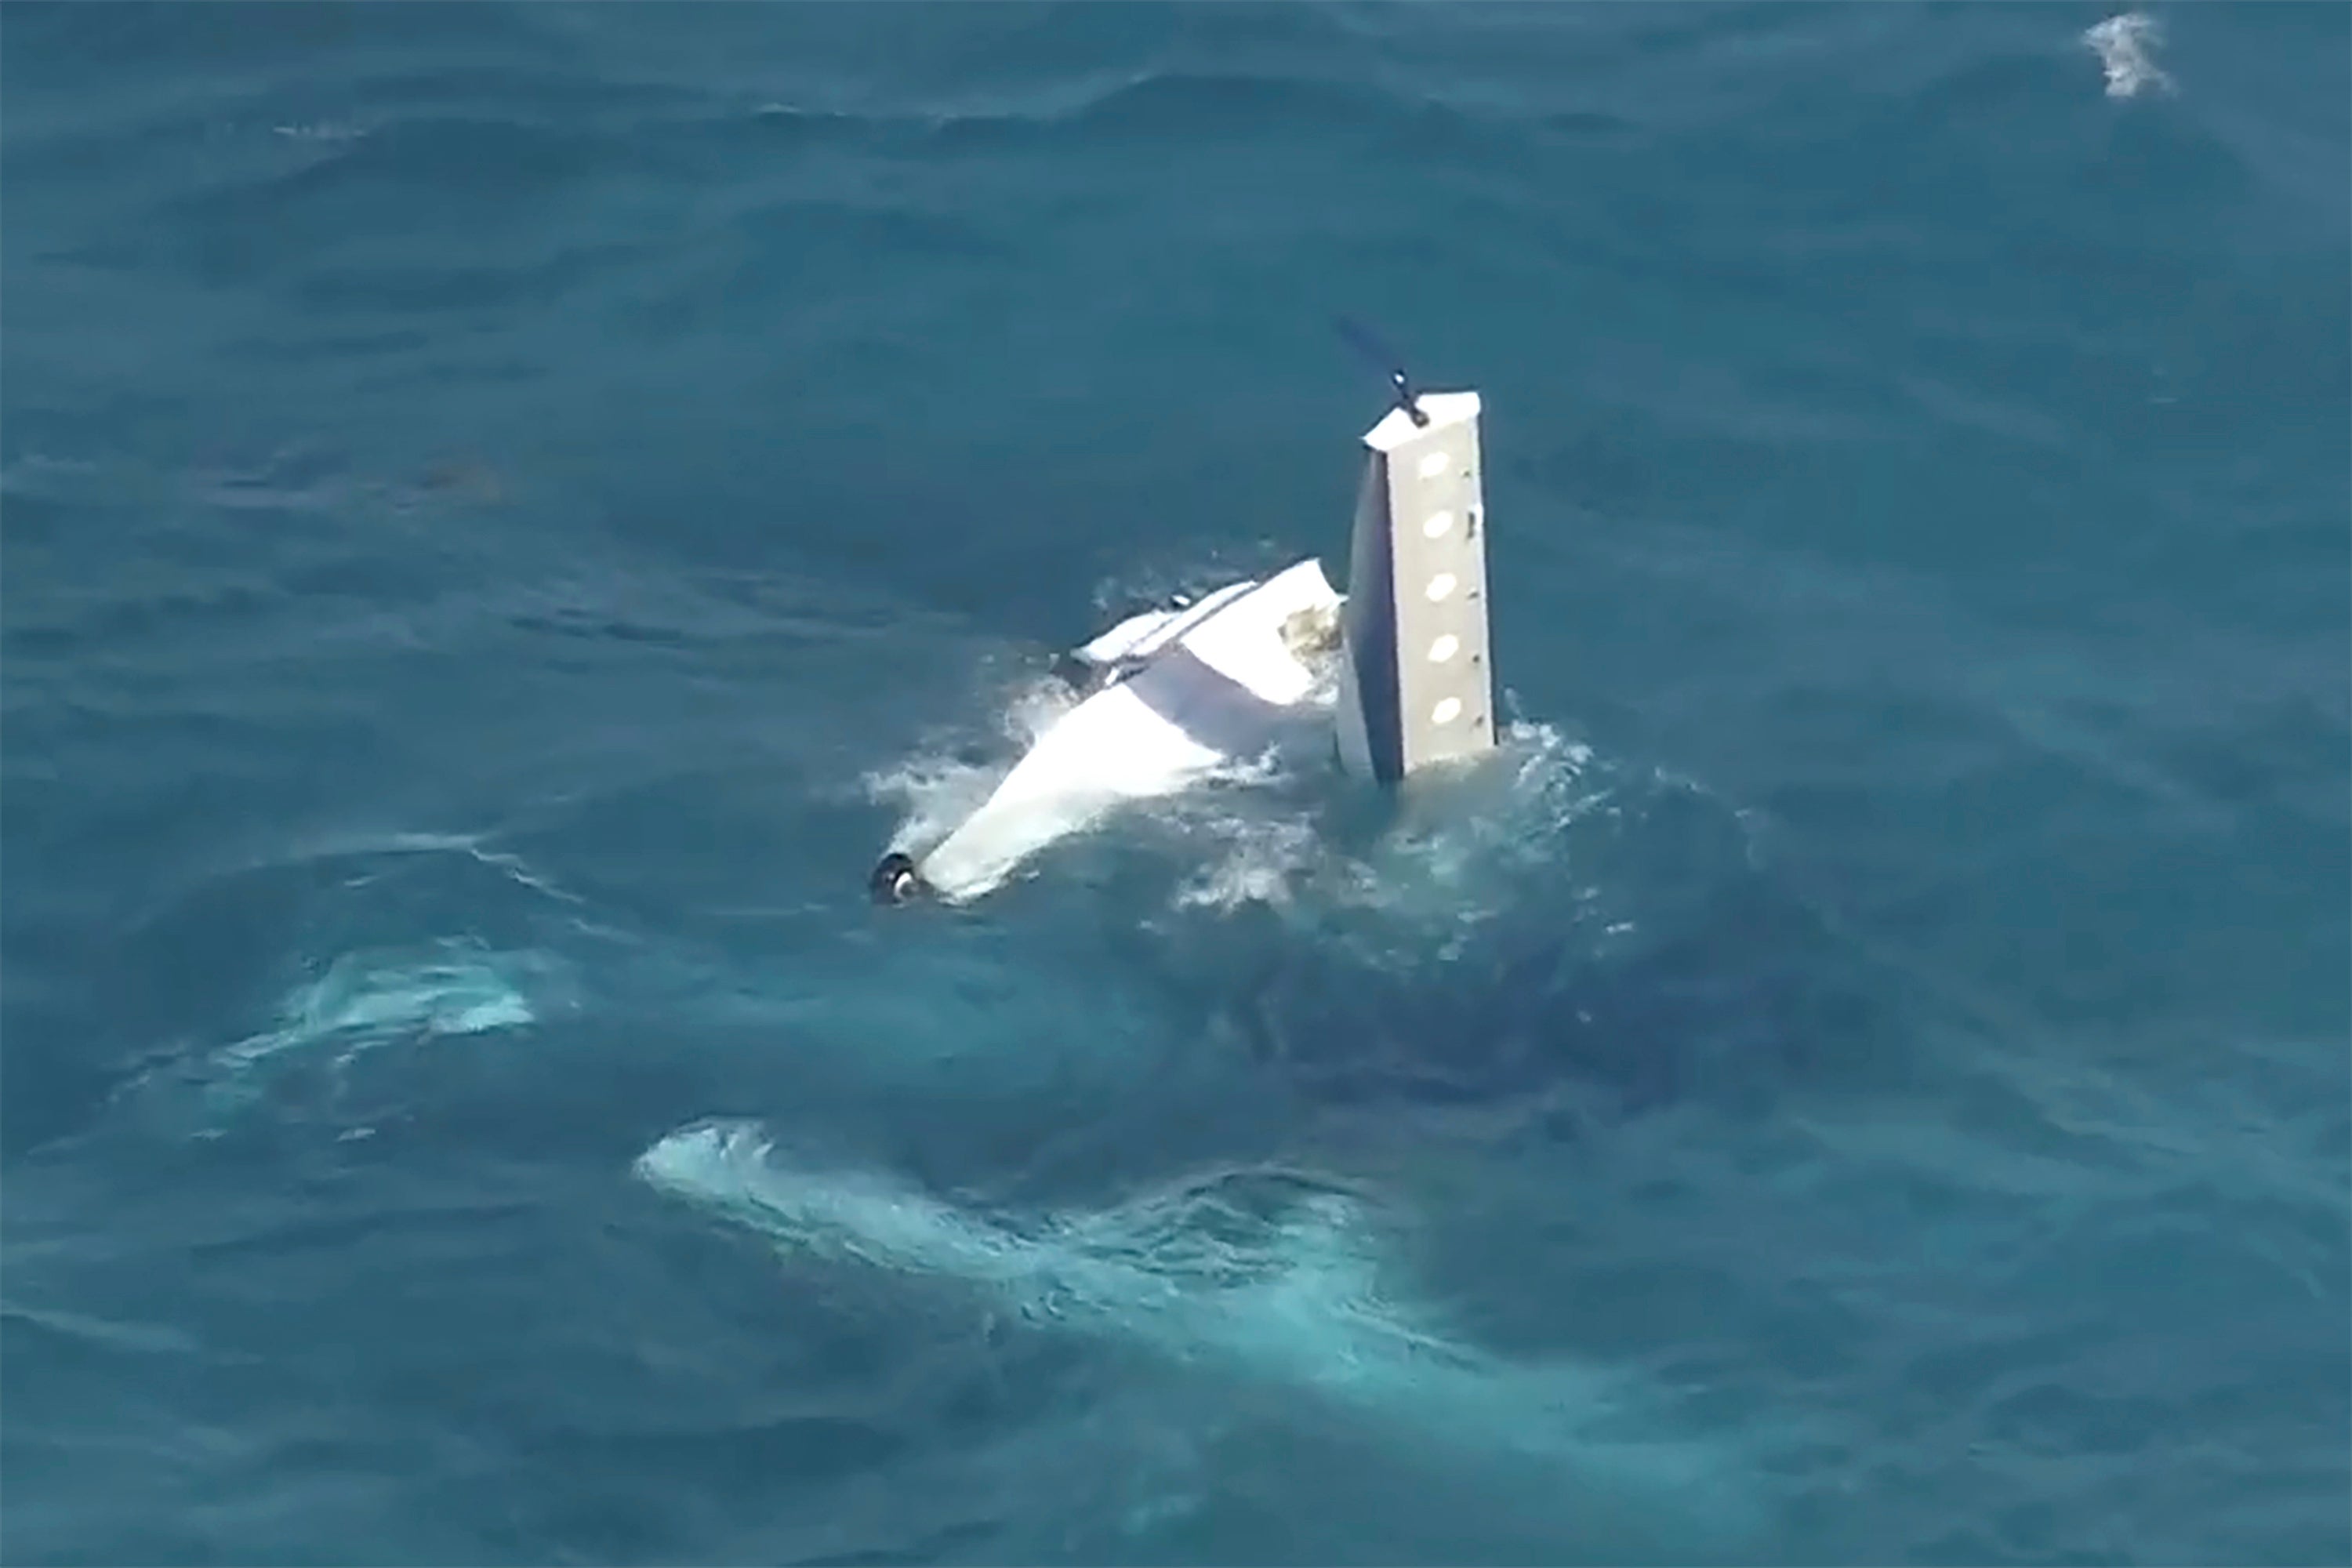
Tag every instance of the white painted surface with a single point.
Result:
(1216, 680)
(1138, 636)
(1444, 408)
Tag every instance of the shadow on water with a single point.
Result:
(1577, 937)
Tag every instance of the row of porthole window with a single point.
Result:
(1440, 587)
(1435, 524)
(1442, 651)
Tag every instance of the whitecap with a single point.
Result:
(2123, 44)
(361, 1004)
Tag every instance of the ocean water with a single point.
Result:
(508, 509)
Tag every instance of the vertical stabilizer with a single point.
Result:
(1417, 683)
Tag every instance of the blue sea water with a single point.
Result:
(507, 510)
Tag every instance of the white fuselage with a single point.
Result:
(1195, 690)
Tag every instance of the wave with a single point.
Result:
(361, 1004)
(366, 999)
(1270, 1277)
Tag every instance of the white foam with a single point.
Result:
(941, 786)
(1460, 855)
(1087, 1270)
(363, 1004)
(1265, 1278)
(1259, 858)
(2123, 44)
(368, 999)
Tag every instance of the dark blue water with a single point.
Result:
(508, 509)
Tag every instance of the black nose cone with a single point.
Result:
(894, 881)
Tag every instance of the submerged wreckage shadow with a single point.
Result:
(1743, 996)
